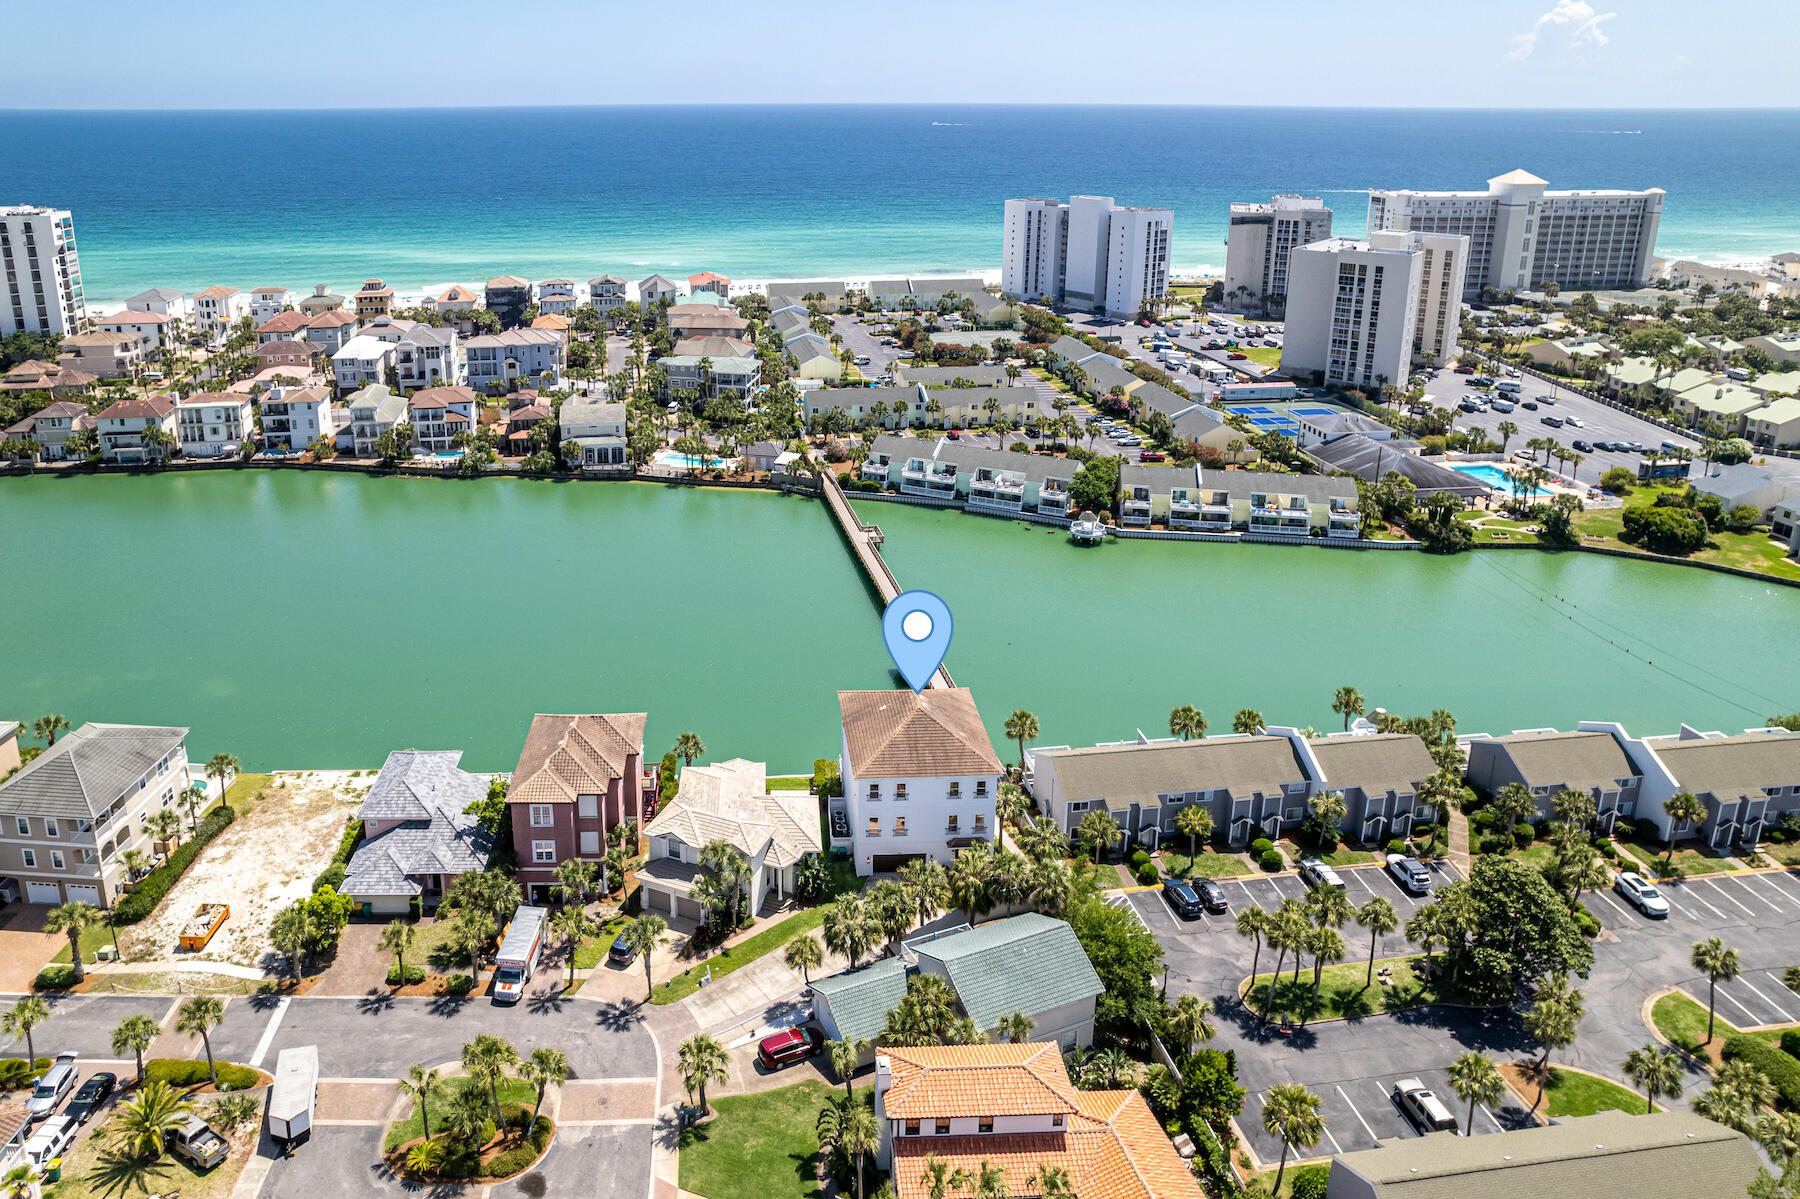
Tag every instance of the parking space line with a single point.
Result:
(1773, 881)
(1787, 1018)
(1778, 982)
(1387, 1096)
(1247, 894)
(1750, 881)
(1611, 902)
(1709, 907)
(1326, 1129)
(1689, 915)
(1754, 1018)
(268, 1033)
(1760, 897)
(1498, 1127)
(1721, 891)
(1357, 1114)
(1411, 901)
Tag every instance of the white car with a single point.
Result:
(1641, 895)
(51, 1140)
(1574, 420)
(1315, 873)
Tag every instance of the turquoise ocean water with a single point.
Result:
(421, 197)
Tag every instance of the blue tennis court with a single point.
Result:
(1313, 411)
(1248, 410)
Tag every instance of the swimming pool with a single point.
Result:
(689, 462)
(1496, 478)
(448, 454)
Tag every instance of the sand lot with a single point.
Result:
(262, 863)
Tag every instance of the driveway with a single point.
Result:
(597, 1161)
(361, 965)
(337, 1160)
(25, 948)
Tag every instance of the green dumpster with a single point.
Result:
(53, 1169)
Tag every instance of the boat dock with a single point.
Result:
(865, 541)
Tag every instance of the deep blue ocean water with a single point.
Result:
(420, 197)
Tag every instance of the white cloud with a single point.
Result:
(1579, 13)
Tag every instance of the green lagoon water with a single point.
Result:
(320, 620)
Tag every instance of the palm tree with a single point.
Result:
(892, 909)
(1778, 1134)
(1022, 726)
(545, 1068)
(967, 880)
(1380, 918)
(21, 1018)
(730, 870)
(140, 1126)
(164, 825)
(199, 1016)
(1348, 702)
(575, 878)
(133, 1035)
(222, 766)
(1187, 1022)
(1682, 808)
(1247, 720)
(1551, 1021)
(1196, 822)
(1507, 431)
(1589, 873)
(190, 799)
(849, 1124)
(1051, 884)
(844, 1056)
(927, 884)
(1041, 840)
(642, 936)
(1253, 923)
(1513, 803)
(426, 1158)
(1291, 1114)
(1326, 944)
(49, 728)
(1711, 958)
(572, 925)
(689, 746)
(1657, 1071)
(419, 1083)
(20, 1181)
(1015, 1027)
(292, 930)
(1476, 1079)
(1097, 831)
(487, 1059)
(468, 1115)
(1187, 721)
(1052, 1182)
(397, 938)
(805, 954)
(939, 1180)
(73, 919)
(988, 1181)
(701, 1060)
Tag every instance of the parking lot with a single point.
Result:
(1268, 891)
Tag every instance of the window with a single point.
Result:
(955, 789)
(980, 822)
(30, 857)
(980, 788)
(23, 823)
(942, 1128)
(1056, 1120)
(540, 815)
(952, 826)
(587, 806)
(874, 826)
(874, 790)
(56, 859)
(899, 826)
(590, 842)
(984, 1124)
(912, 1128)
(543, 851)
(50, 829)
(899, 790)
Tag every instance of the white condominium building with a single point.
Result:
(1522, 236)
(43, 273)
(1360, 312)
(1090, 252)
(1257, 247)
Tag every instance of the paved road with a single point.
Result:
(1353, 1064)
(84, 1023)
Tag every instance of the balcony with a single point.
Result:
(1135, 512)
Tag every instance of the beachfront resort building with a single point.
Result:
(1360, 312)
(43, 272)
(1522, 235)
(1257, 245)
(72, 812)
(294, 418)
(920, 776)
(578, 777)
(214, 424)
(1090, 253)
(124, 427)
(515, 354)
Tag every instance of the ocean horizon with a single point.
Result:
(424, 197)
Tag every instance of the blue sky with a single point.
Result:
(1459, 53)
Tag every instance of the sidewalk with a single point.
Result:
(1458, 851)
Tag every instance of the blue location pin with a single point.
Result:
(917, 628)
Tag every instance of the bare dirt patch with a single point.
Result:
(262, 863)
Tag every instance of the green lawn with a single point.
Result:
(1207, 865)
(1342, 991)
(1689, 862)
(792, 782)
(512, 1090)
(589, 953)
(1682, 1022)
(1572, 1093)
(1267, 356)
(1746, 551)
(758, 1146)
(737, 956)
(1787, 853)
(1343, 855)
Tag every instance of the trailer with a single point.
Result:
(291, 1098)
(517, 959)
(202, 925)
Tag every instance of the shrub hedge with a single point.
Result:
(414, 974)
(333, 874)
(1310, 1182)
(1396, 846)
(142, 901)
(1260, 846)
(1790, 1042)
(1146, 874)
(54, 978)
(1270, 860)
(459, 984)
(16, 1074)
(521, 1156)
(1782, 1069)
(1139, 860)
(1587, 921)
(188, 1072)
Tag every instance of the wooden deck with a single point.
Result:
(865, 541)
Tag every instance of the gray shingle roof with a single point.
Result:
(425, 789)
(1377, 763)
(1126, 774)
(1579, 759)
(860, 999)
(1314, 487)
(939, 376)
(1029, 963)
(87, 770)
(1730, 767)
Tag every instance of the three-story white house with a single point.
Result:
(213, 424)
(920, 776)
(294, 418)
(440, 413)
(363, 360)
(123, 427)
(217, 309)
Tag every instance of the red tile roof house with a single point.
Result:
(718, 284)
(440, 413)
(122, 429)
(578, 776)
(519, 424)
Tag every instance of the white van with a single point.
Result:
(1509, 386)
(516, 960)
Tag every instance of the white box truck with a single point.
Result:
(291, 1098)
(517, 959)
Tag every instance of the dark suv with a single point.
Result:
(1182, 898)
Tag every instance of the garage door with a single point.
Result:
(888, 863)
(83, 893)
(42, 893)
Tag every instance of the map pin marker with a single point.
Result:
(916, 627)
